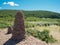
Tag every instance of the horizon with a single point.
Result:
(30, 10)
(31, 5)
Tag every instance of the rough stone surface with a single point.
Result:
(9, 31)
(19, 27)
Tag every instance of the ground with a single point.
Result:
(30, 40)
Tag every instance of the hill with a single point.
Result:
(42, 14)
(39, 14)
(7, 17)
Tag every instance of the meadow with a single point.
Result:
(36, 22)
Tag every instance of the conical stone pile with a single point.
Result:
(18, 32)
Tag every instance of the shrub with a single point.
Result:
(29, 25)
(3, 25)
(43, 35)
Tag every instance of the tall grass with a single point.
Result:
(43, 35)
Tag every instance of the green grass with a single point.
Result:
(43, 35)
(41, 19)
(3, 25)
(7, 17)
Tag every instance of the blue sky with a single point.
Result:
(49, 5)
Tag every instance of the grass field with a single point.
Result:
(35, 20)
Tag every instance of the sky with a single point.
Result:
(48, 5)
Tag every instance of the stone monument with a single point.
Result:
(18, 32)
(9, 30)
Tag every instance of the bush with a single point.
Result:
(43, 35)
(3, 25)
(29, 25)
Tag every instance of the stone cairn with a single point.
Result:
(18, 32)
(9, 30)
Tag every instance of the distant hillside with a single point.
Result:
(7, 17)
(39, 14)
(42, 14)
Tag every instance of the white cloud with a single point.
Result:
(11, 3)
(4, 3)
